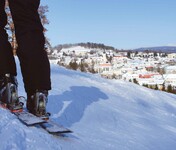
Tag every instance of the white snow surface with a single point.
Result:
(103, 115)
(76, 48)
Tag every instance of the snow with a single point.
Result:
(103, 114)
(76, 48)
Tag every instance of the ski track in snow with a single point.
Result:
(104, 114)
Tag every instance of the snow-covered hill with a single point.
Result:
(75, 48)
(166, 49)
(104, 115)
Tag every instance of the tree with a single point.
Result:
(136, 53)
(129, 54)
(73, 65)
(82, 67)
(91, 70)
(135, 81)
(145, 85)
(156, 87)
(169, 89)
(163, 88)
(44, 20)
(155, 54)
(42, 13)
(113, 76)
(10, 28)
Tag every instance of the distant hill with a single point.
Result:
(87, 45)
(166, 49)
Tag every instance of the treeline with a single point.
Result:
(164, 88)
(95, 45)
(166, 49)
(83, 66)
(168, 88)
(86, 45)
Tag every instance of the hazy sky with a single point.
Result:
(120, 23)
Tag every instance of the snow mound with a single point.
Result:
(104, 114)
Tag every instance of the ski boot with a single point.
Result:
(36, 104)
(9, 93)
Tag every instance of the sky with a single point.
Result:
(123, 24)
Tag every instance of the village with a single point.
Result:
(155, 70)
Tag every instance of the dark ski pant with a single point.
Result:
(34, 62)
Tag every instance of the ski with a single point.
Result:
(54, 128)
(25, 117)
(10, 100)
(29, 119)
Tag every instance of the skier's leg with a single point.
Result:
(29, 33)
(8, 84)
(7, 62)
(33, 58)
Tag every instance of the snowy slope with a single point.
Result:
(75, 48)
(104, 115)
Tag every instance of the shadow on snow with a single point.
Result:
(68, 108)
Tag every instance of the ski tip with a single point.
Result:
(60, 132)
(4, 106)
(16, 110)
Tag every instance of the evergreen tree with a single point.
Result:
(129, 54)
(136, 53)
(163, 88)
(156, 87)
(155, 54)
(73, 65)
(169, 89)
(135, 81)
(82, 67)
(114, 76)
(145, 85)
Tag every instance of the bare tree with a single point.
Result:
(10, 28)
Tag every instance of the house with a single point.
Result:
(151, 79)
(104, 68)
(171, 55)
(170, 79)
(170, 69)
